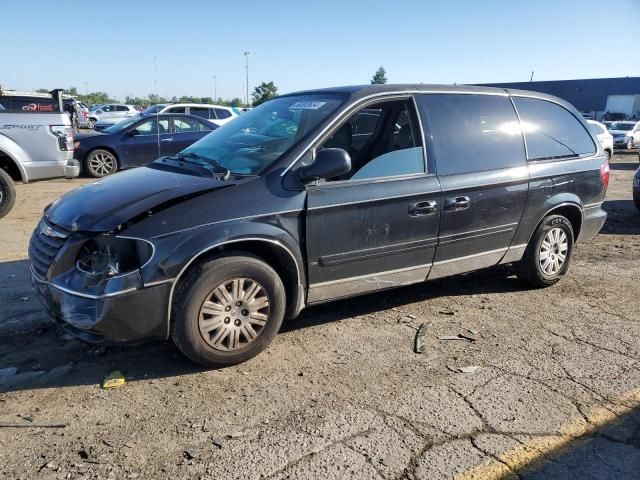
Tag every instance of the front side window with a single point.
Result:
(389, 143)
(552, 131)
(472, 133)
(153, 127)
(260, 137)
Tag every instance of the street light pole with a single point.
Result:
(246, 56)
(215, 89)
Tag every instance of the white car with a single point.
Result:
(114, 112)
(603, 135)
(214, 113)
(626, 134)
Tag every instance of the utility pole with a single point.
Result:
(86, 88)
(215, 89)
(246, 56)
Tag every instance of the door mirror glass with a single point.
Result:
(329, 163)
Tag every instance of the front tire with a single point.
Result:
(100, 163)
(7, 193)
(630, 144)
(92, 123)
(548, 253)
(228, 310)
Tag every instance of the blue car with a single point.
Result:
(138, 141)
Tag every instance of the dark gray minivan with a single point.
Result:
(315, 196)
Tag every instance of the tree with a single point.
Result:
(235, 102)
(380, 77)
(263, 92)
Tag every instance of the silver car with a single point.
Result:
(626, 134)
(111, 111)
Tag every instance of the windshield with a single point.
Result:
(123, 125)
(153, 109)
(256, 139)
(621, 126)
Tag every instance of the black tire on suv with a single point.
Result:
(7, 193)
(228, 310)
(548, 253)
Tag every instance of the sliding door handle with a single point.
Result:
(457, 203)
(419, 209)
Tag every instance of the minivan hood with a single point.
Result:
(104, 205)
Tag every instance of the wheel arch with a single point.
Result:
(11, 158)
(272, 251)
(571, 211)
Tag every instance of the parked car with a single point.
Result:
(214, 246)
(34, 145)
(111, 111)
(625, 134)
(215, 113)
(82, 114)
(137, 141)
(636, 189)
(602, 134)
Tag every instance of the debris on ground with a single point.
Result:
(31, 425)
(114, 379)
(469, 369)
(406, 319)
(420, 344)
(217, 442)
(461, 336)
(235, 435)
(447, 311)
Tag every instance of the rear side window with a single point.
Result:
(552, 131)
(222, 113)
(202, 112)
(472, 133)
(595, 128)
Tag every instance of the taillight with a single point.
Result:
(64, 135)
(604, 174)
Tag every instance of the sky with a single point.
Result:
(110, 45)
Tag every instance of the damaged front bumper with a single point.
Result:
(128, 316)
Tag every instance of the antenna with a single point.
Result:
(531, 78)
(155, 84)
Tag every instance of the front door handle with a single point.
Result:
(420, 209)
(167, 140)
(457, 203)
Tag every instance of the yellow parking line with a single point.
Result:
(518, 458)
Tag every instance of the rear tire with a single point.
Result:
(548, 253)
(216, 319)
(7, 193)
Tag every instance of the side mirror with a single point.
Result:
(329, 163)
(133, 132)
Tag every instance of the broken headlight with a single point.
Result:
(109, 256)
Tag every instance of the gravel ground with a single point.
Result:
(340, 393)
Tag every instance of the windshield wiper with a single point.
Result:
(209, 163)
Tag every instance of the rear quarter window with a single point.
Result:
(551, 131)
(472, 133)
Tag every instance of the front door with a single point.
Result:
(479, 152)
(186, 131)
(147, 141)
(377, 226)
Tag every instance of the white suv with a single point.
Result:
(214, 113)
(111, 112)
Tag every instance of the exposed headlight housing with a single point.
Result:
(108, 256)
(64, 135)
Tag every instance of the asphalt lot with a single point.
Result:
(340, 393)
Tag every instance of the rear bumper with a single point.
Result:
(593, 219)
(41, 170)
(123, 318)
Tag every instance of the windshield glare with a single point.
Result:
(621, 126)
(120, 126)
(153, 109)
(261, 136)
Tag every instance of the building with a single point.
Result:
(594, 97)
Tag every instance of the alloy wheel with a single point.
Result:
(630, 144)
(234, 314)
(553, 251)
(102, 164)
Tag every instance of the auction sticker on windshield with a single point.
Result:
(307, 105)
